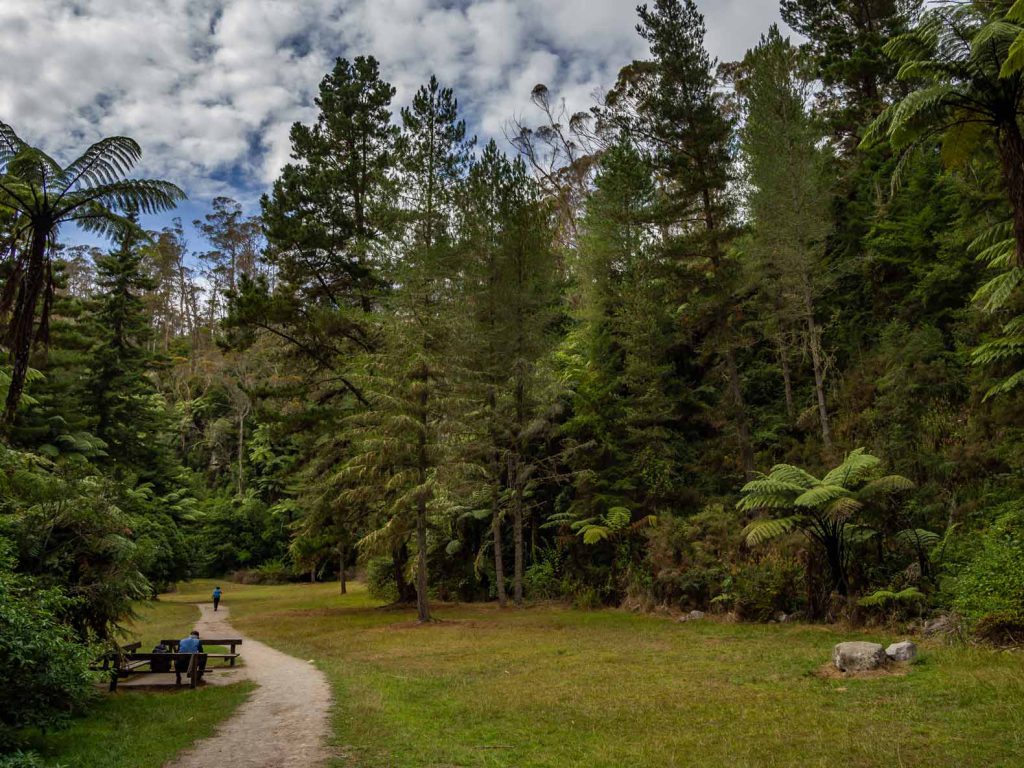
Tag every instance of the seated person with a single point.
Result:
(158, 664)
(190, 644)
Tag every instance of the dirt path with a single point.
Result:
(284, 724)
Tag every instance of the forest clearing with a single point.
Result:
(511, 383)
(551, 686)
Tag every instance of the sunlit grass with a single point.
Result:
(550, 686)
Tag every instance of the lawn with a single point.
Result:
(554, 687)
(144, 729)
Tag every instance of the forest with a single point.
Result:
(743, 337)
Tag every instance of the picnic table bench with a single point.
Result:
(231, 642)
(125, 664)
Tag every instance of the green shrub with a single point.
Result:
(380, 579)
(21, 759)
(762, 589)
(541, 580)
(993, 581)
(40, 658)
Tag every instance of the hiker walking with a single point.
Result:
(216, 598)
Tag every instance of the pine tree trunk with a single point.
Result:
(517, 534)
(241, 452)
(814, 339)
(341, 569)
(406, 591)
(499, 565)
(740, 415)
(20, 337)
(422, 604)
(787, 379)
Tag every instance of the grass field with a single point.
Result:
(144, 729)
(554, 687)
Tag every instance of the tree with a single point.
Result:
(129, 411)
(406, 433)
(511, 296)
(684, 117)
(44, 196)
(823, 510)
(788, 199)
(955, 57)
(237, 242)
(845, 40)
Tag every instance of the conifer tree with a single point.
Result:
(405, 439)
(511, 294)
(684, 118)
(626, 410)
(129, 412)
(789, 197)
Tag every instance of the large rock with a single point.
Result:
(905, 651)
(858, 656)
(692, 616)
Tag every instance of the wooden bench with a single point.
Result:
(103, 663)
(128, 664)
(231, 642)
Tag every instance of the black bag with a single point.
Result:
(160, 665)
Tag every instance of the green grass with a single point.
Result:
(553, 687)
(144, 728)
(141, 729)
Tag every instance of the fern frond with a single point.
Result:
(760, 531)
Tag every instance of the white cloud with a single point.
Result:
(210, 87)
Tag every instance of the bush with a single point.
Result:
(993, 581)
(541, 580)
(380, 579)
(21, 759)
(40, 658)
(271, 572)
(688, 557)
(769, 586)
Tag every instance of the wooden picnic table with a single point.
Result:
(231, 642)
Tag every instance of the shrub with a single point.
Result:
(541, 580)
(993, 581)
(688, 557)
(270, 572)
(21, 759)
(40, 658)
(380, 579)
(766, 587)
(885, 603)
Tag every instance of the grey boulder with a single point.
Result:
(858, 656)
(905, 651)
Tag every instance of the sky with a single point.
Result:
(210, 88)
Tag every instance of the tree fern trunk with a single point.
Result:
(20, 335)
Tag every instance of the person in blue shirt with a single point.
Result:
(190, 644)
(216, 598)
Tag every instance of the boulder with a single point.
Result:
(858, 656)
(905, 651)
(944, 625)
(692, 615)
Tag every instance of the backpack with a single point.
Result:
(160, 665)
